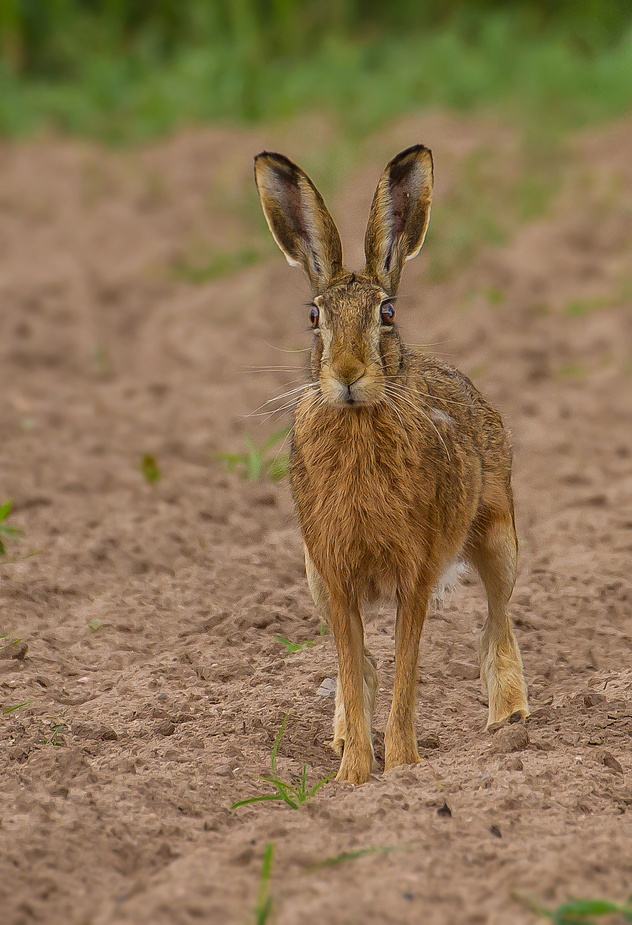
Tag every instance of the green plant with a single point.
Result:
(130, 71)
(13, 642)
(255, 463)
(7, 530)
(572, 370)
(219, 263)
(576, 911)
(95, 625)
(579, 308)
(55, 730)
(292, 794)
(293, 646)
(18, 706)
(150, 469)
(354, 855)
(264, 900)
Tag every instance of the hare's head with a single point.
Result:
(356, 344)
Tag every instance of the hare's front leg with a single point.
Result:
(400, 741)
(493, 553)
(357, 755)
(347, 630)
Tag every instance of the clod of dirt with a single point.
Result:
(243, 857)
(515, 764)
(611, 762)
(429, 741)
(17, 651)
(540, 717)
(100, 733)
(165, 728)
(226, 768)
(513, 738)
(593, 700)
(463, 672)
(266, 499)
(444, 810)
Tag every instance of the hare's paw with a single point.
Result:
(356, 765)
(399, 750)
(507, 716)
(337, 744)
(507, 694)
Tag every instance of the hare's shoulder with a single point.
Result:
(442, 381)
(452, 392)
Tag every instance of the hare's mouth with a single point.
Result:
(364, 391)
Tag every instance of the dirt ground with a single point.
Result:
(153, 686)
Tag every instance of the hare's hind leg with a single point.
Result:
(400, 741)
(320, 594)
(493, 551)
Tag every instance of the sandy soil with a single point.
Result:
(153, 684)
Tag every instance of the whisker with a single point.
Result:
(391, 404)
(438, 343)
(391, 391)
(285, 350)
(251, 369)
(435, 398)
(289, 406)
(301, 388)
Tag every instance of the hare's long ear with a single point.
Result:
(399, 216)
(298, 219)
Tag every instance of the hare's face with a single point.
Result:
(356, 346)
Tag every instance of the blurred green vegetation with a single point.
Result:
(128, 70)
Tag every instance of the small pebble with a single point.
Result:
(327, 688)
(611, 762)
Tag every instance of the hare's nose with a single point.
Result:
(348, 370)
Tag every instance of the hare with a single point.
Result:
(399, 467)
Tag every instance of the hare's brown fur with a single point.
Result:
(399, 466)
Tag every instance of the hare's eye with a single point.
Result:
(313, 317)
(387, 313)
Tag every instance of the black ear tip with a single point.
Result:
(413, 151)
(276, 160)
(404, 162)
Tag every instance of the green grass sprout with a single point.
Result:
(7, 531)
(18, 706)
(150, 469)
(292, 794)
(576, 911)
(55, 729)
(354, 855)
(264, 900)
(255, 463)
(293, 646)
